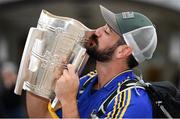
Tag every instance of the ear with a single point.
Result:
(123, 51)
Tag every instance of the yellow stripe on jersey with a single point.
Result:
(116, 99)
(108, 115)
(121, 103)
(52, 112)
(121, 107)
(92, 73)
(114, 110)
(127, 104)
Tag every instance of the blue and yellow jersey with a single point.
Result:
(130, 103)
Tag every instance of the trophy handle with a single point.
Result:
(33, 34)
(79, 62)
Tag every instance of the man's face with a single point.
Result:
(102, 44)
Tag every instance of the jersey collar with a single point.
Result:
(128, 74)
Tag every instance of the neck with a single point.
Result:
(107, 71)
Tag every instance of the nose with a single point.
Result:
(98, 31)
(90, 33)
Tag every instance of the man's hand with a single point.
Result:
(66, 90)
(67, 85)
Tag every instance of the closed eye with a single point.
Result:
(107, 30)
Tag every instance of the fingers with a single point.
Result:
(66, 74)
(67, 85)
(70, 71)
(67, 71)
(57, 72)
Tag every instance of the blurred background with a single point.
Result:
(17, 16)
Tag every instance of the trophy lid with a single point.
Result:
(53, 22)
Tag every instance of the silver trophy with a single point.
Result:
(55, 40)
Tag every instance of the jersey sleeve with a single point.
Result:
(128, 104)
(119, 105)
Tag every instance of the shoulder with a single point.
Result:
(86, 78)
(129, 103)
(90, 74)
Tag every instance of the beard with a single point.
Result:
(99, 55)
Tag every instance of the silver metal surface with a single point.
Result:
(55, 41)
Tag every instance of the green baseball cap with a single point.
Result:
(136, 29)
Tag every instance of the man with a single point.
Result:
(125, 41)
